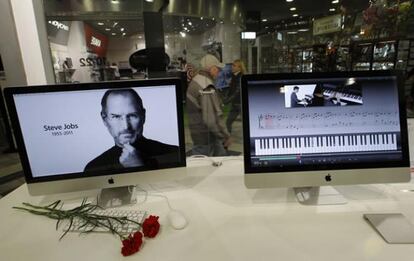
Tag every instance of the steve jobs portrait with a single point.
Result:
(123, 114)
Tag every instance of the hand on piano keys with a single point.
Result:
(343, 98)
(335, 97)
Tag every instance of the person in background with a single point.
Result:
(238, 69)
(208, 132)
(294, 100)
(116, 71)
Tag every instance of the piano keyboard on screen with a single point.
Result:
(349, 97)
(325, 143)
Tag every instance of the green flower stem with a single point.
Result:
(82, 212)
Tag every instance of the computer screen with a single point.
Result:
(75, 131)
(324, 127)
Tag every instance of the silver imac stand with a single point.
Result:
(325, 195)
(117, 197)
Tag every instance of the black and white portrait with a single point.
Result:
(124, 116)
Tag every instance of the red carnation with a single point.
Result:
(131, 244)
(150, 227)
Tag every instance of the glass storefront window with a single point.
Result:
(94, 41)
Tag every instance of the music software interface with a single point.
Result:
(64, 132)
(324, 121)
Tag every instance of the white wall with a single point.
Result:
(175, 45)
(227, 34)
(31, 32)
(77, 50)
(119, 49)
(59, 53)
(10, 49)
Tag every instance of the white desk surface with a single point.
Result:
(227, 222)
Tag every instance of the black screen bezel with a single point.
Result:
(248, 168)
(10, 91)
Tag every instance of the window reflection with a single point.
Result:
(94, 42)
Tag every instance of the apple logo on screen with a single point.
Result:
(328, 178)
(111, 181)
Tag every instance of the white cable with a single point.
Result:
(214, 163)
(197, 157)
(145, 194)
(232, 158)
(155, 195)
(165, 197)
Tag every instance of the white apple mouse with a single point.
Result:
(177, 219)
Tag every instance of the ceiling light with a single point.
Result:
(295, 15)
(100, 23)
(113, 33)
(264, 20)
(201, 18)
(149, 1)
(335, 1)
(107, 29)
(122, 29)
(123, 34)
(115, 24)
(289, 1)
(292, 9)
(140, 37)
(293, 32)
(115, 1)
(182, 34)
(190, 23)
(332, 10)
(303, 30)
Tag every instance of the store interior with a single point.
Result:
(94, 41)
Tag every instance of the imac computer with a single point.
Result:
(306, 130)
(98, 135)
